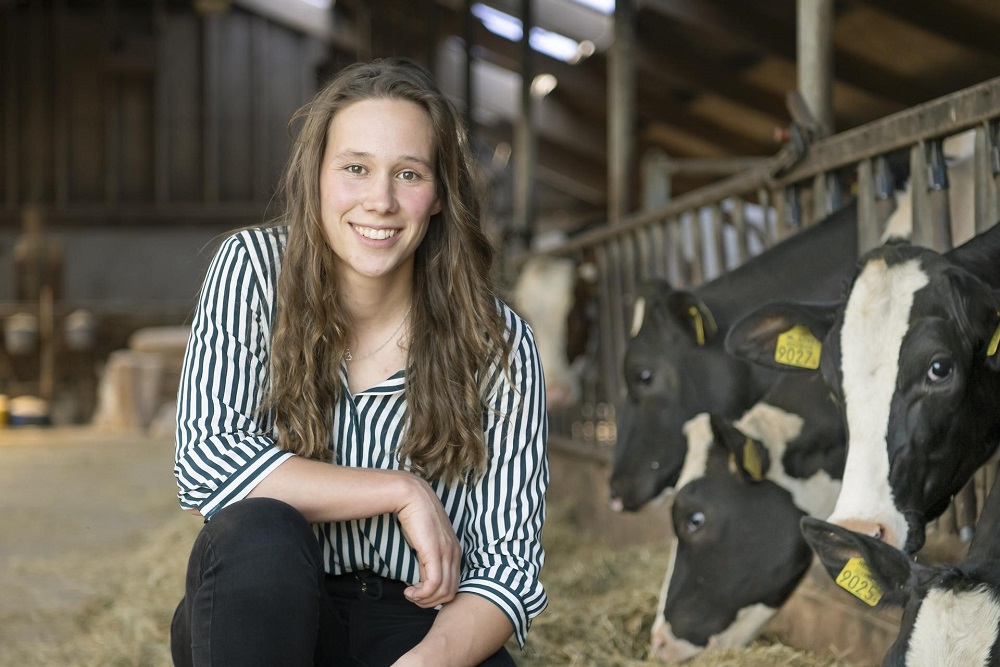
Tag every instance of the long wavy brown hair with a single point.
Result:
(457, 333)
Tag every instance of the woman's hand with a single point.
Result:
(428, 530)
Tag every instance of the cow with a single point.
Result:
(951, 613)
(676, 365)
(738, 553)
(556, 296)
(911, 356)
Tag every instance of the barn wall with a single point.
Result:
(142, 131)
(146, 105)
(125, 265)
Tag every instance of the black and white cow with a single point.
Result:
(676, 365)
(738, 553)
(911, 355)
(951, 613)
(553, 295)
(557, 296)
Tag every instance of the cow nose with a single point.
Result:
(869, 528)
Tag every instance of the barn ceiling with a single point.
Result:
(711, 75)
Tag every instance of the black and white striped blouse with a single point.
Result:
(224, 449)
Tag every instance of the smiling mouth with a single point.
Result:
(375, 234)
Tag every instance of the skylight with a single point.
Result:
(602, 6)
(544, 41)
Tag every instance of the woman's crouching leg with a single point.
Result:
(254, 590)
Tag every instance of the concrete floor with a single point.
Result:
(70, 500)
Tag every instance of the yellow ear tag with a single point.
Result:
(751, 461)
(857, 580)
(798, 347)
(994, 342)
(699, 325)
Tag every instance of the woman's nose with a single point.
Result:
(380, 197)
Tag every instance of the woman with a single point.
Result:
(360, 420)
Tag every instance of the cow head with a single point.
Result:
(738, 553)
(675, 368)
(950, 614)
(911, 357)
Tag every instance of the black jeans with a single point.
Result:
(256, 594)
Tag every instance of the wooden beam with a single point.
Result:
(953, 21)
(739, 23)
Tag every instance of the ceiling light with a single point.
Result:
(542, 85)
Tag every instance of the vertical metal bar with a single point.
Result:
(771, 216)
(986, 191)
(642, 240)
(815, 59)
(740, 227)
(677, 272)
(869, 229)
(621, 111)
(659, 247)
(885, 193)
(922, 233)
(716, 242)
(820, 198)
(697, 262)
(937, 195)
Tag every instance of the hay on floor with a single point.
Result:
(600, 611)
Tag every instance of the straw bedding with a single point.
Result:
(600, 612)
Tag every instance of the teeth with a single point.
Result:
(375, 234)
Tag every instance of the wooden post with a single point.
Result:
(469, 28)
(524, 139)
(621, 112)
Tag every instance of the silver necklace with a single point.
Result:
(349, 357)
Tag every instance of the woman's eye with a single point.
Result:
(940, 370)
(409, 175)
(694, 521)
(355, 169)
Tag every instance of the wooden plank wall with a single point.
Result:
(147, 107)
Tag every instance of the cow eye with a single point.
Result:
(694, 521)
(940, 370)
(645, 376)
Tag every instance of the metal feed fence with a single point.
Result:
(700, 234)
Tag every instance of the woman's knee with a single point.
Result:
(261, 530)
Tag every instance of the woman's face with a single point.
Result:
(377, 186)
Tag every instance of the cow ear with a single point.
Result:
(694, 315)
(783, 336)
(993, 344)
(873, 571)
(750, 457)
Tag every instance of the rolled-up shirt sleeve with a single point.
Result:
(505, 509)
(224, 448)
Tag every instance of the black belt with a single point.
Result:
(365, 585)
